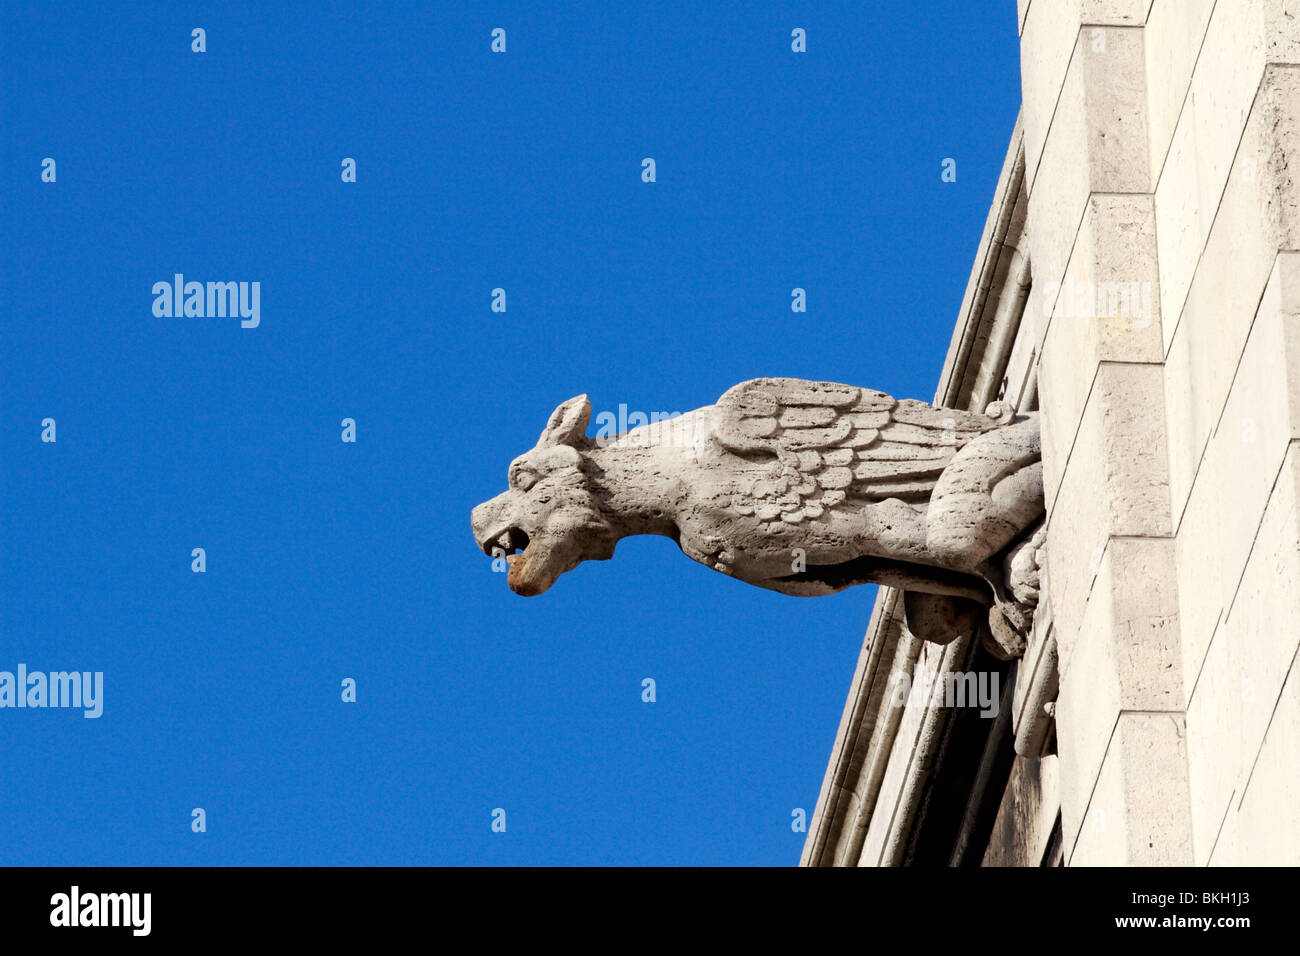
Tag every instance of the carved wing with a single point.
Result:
(825, 443)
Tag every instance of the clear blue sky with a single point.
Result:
(327, 560)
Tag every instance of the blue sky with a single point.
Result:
(328, 560)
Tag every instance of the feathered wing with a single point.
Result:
(826, 443)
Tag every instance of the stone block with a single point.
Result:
(1174, 33)
(1199, 570)
(1138, 812)
(1115, 483)
(1263, 827)
(1246, 665)
(1124, 656)
(1049, 32)
(1207, 144)
(1261, 417)
(1096, 143)
(1106, 310)
(1258, 217)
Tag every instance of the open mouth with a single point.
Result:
(511, 541)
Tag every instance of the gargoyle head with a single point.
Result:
(548, 521)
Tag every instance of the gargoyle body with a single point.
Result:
(801, 487)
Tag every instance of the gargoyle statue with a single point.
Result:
(801, 487)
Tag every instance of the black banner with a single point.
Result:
(336, 905)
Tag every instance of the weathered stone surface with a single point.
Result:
(1049, 33)
(1200, 572)
(1125, 657)
(1258, 216)
(1228, 554)
(1250, 656)
(939, 618)
(1137, 814)
(1023, 826)
(800, 487)
(1260, 419)
(1174, 33)
(914, 742)
(1096, 143)
(1173, 548)
(1107, 310)
(1038, 677)
(1207, 150)
(1262, 826)
(1115, 483)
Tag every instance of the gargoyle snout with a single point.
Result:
(488, 520)
(496, 526)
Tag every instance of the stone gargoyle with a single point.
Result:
(802, 487)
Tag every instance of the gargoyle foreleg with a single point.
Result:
(987, 497)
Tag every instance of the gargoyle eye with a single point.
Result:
(522, 478)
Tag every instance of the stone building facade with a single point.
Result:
(1138, 283)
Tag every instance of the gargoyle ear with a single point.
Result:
(568, 423)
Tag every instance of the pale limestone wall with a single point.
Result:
(1162, 147)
